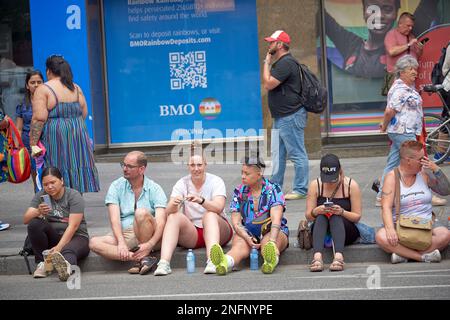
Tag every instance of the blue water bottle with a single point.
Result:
(254, 263)
(190, 261)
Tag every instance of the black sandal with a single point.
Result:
(148, 264)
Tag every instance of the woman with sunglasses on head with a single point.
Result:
(195, 213)
(56, 223)
(417, 176)
(24, 113)
(257, 214)
(59, 113)
(334, 203)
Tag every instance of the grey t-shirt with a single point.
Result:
(71, 202)
(284, 100)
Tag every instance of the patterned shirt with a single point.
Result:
(407, 103)
(243, 202)
(25, 112)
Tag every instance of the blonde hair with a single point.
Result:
(197, 150)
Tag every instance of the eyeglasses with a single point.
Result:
(128, 166)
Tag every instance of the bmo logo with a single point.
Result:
(179, 110)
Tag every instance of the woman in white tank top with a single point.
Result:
(418, 176)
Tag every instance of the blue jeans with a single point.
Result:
(393, 159)
(288, 142)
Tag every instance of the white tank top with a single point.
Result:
(416, 200)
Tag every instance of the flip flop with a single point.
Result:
(4, 226)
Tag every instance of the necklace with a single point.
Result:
(407, 184)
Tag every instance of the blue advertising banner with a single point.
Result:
(59, 27)
(182, 69)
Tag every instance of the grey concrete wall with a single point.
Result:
(298, 19)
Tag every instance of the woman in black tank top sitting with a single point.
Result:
(333, 203)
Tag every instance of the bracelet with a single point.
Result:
(312, 213)
(202, 202)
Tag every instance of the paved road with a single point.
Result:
(402, 281)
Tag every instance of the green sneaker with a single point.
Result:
(270, 256)
(219, 259)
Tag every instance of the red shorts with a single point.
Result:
(201, 241)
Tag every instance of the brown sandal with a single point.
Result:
(316, 266)
(337, 265)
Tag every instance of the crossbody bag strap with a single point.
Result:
(335, 190)
(397, 194)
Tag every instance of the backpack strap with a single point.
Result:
(397, 194)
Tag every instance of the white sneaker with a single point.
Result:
(163, 268)
(395, 258)
(210, 268)
(40, 271)
(434, 256)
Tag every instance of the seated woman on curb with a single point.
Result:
(264, 228)
(60, 228)
(195, 217)
(334, 202)
(418, 176)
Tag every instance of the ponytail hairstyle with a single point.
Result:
(197, 150)
(254, 159)
(61, 68)
(52, 171)
(27, 78)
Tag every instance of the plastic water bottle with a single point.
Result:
(190, 261)
(254, 263)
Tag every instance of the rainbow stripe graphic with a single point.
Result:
(363, 122)
(19, 165)
(210, 108)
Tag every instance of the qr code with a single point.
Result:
(188, 70)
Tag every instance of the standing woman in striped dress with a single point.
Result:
(59, 110)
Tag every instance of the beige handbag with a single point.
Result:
(413, 232)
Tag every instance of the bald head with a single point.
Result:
(141, 158)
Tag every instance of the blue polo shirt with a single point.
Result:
(120, 193)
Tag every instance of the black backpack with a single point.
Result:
(314, 96)
(437, 77)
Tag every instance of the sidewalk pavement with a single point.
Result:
(15, 199)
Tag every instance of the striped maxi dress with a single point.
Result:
(68, 146)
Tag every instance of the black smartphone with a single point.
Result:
(425, 40)
(255, 239)
(134, 249)
(328, 204)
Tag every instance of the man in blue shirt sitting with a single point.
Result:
(136, 207)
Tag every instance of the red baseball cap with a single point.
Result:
(279, 35)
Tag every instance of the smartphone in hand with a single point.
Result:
(46, 199)
(328, 204)
(425, 40)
